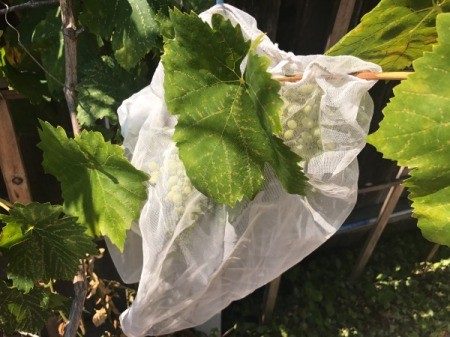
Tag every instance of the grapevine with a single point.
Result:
(119, 46)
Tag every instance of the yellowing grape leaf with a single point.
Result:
(394, 33)
(228, 120)
(40, 245)
(99, 185)
(416, 133)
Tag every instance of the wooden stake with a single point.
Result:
(367, 75)
(11, 163)
(341, 22)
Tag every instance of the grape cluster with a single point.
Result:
(300, 119)
(179, 189)
(178, 185)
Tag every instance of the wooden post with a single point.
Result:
(11, 163)
(341, 23)
(271, 299)
(386, 210)
(433, 252)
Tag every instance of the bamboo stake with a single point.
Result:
(367, 75)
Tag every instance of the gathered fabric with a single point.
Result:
(193, 257)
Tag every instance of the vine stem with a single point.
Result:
(28, 5)
(70, 34)
(367, 75)
(76, 309)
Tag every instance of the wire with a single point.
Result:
(26, 50)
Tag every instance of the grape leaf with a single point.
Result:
(102, 88)
(102, 16)
(26, 311)
(99, 185)
(48, 39)
(27, 82)
(40, 245)
(227, 120)
(24, 76)
(130, 24)
(394, 33)
(135, 35)
(416, 133)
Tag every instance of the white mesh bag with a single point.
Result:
(192, 257)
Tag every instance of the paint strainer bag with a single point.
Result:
(192, 257)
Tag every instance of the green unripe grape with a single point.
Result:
(177, 198)
(307, 109)
(306, 89)
(153, 166)
(154, 178)
(169, 196)
(292, 124)
(306, 136)
(293, 108)
(316, 132)
(172, 180)
(289, 134)
(329, 146)
(307, 122)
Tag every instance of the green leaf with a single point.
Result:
(40, 245)
(102, 88)
(130, 23)
(48, 39)
(197, 6)
(27, 83)
(99, 185)
(101, 17)
(26, 311)
(394, 33)
(416, 133)
(227, 120)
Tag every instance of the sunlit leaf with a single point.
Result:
(130, 24)
(99, 185)
(227, 120)
(394, 33)
(416, 133)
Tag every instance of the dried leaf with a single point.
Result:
(99, 317)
